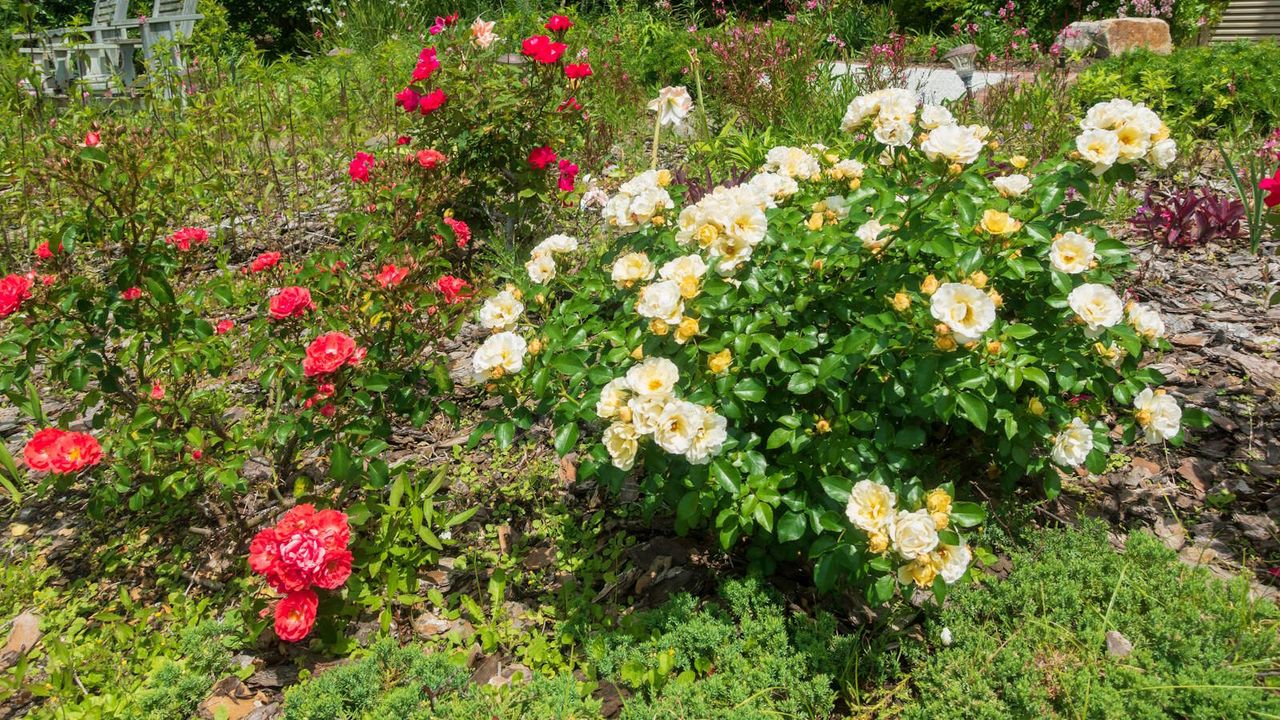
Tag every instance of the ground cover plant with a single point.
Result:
(625, 361)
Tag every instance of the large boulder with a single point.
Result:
(1117, 35)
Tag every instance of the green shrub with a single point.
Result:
(177, 686)
(1034, 645)
(1195, 90)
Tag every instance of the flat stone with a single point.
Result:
(1118, 646)
(1114, 36)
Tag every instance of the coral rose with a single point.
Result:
(13, 290)
(264, 261)
(295, 615)
(291, 302)
(330, 352)
(39, 450)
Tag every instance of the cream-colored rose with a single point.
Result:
(920, 571)
(1107, 115)
(967, 311)
(774, 186)
(708, 437)
(1073, 444)
(541, 268)
(955, 560)
(871, 506)
(1158, 415)
(645, 411)
(1163, 153)
(661, 301)
(501, 311)
(1097, 306)
(860, 109)
(999, 223)
(1146, 321)
(686, 272)
(501, 354)
(1098, 147)
(557, 244)
(792, 162)
(1133, 143)
(631, 268)
(894, 133)
(913, 534)
(1071, 253)
(869, 233)
(1012, 186)
(613, 398)
(622, 442)
(935, 116)
(677, 425)
(731, 252)
(653, 376)
(747, 223)
(952, 143)
(846, 170)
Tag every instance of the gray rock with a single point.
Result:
(1118, 646)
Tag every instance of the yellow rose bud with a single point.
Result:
(994, 144)
(535, 346)
(687, 328)
(541, 299)
(855, 183)
(930, 285)
(822, 427)
(664, 177)
(955, 168)
(877, 542)
(938, 500)
(940, 520)
(515, 291)
(942, 329)
(977, 279)
(659, 221)
(1018, 161)
(945, 343)
(971, 345)
(819, 207)
(815, 222)
(638, 353)
(719, 362)
(1035, 407)
(448, 213)
(831, 157)
(817, 264)
(996, 299)
(901, 301)
(994, 347)
(658, 327)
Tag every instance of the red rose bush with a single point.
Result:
(306, 549)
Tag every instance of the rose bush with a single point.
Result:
(820, 358)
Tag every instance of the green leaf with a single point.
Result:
(566, 438)
(967, 514)
(837, 488)
(779, 437)
(790, 526)
(726, 475)
(1018, 331)
(341, 467)
(749, 390)
(974, 409)
(1195, 418)
(505, 434)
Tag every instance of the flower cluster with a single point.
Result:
(329, 353)
(1119, 131)
(912, 535)
(186, 237)
(306, 549)
(729, 223)
(13, 290)
(61, 451)
(889, 113)
(643, 403)
(639, 201)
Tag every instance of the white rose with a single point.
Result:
(1163, 153)
(935, 116)
(708, 438)
(631, 268)
(894, 133)
(557, 244)
(773, 186)
(677, 425)
(1073, 444)
(897, 105)
(645, 411)
(792, 162)
(1071, 253)
(965, 309)
(748, 223)
(541, 268)
(871, 506)
(661, 301)
(846, 170)
(955, 560)
(1158, 415)
(869, 233)
(501, 311)
(1106, 115)
(686, 272)
(1097, 305)
(860, 109)
(1146, 321)
(653, 376)
(501, 354)
(613, 397)
(952, 143)
(622, 442)
(1099, 147)
(1012, 186)
(914, 534)
(730, 252)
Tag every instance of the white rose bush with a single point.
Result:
(824, 359)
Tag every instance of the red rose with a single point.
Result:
(577, 71)
(359, 167)
(452, 288)
(1272, 186)
(332, 528)
(334, 569)
(430, 159)
(39, 450)
(186, 237)
(568, 173)
(391, 275)
(197, 454)
(441, 23)
(541, 157)
(295, 615)
(408, 99)
(427, 64)
(291, 302)
(131, 294)
(404, 139)
(432, 101)
(75, 451)
(297, 519)
(13, 290)
(558, 23)
(264, 261)
(264, 551)
(157, 391)
(91, 139)
(543, 49)
(44, 252)
(329, 352)
(461, 231)
(224, 326)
